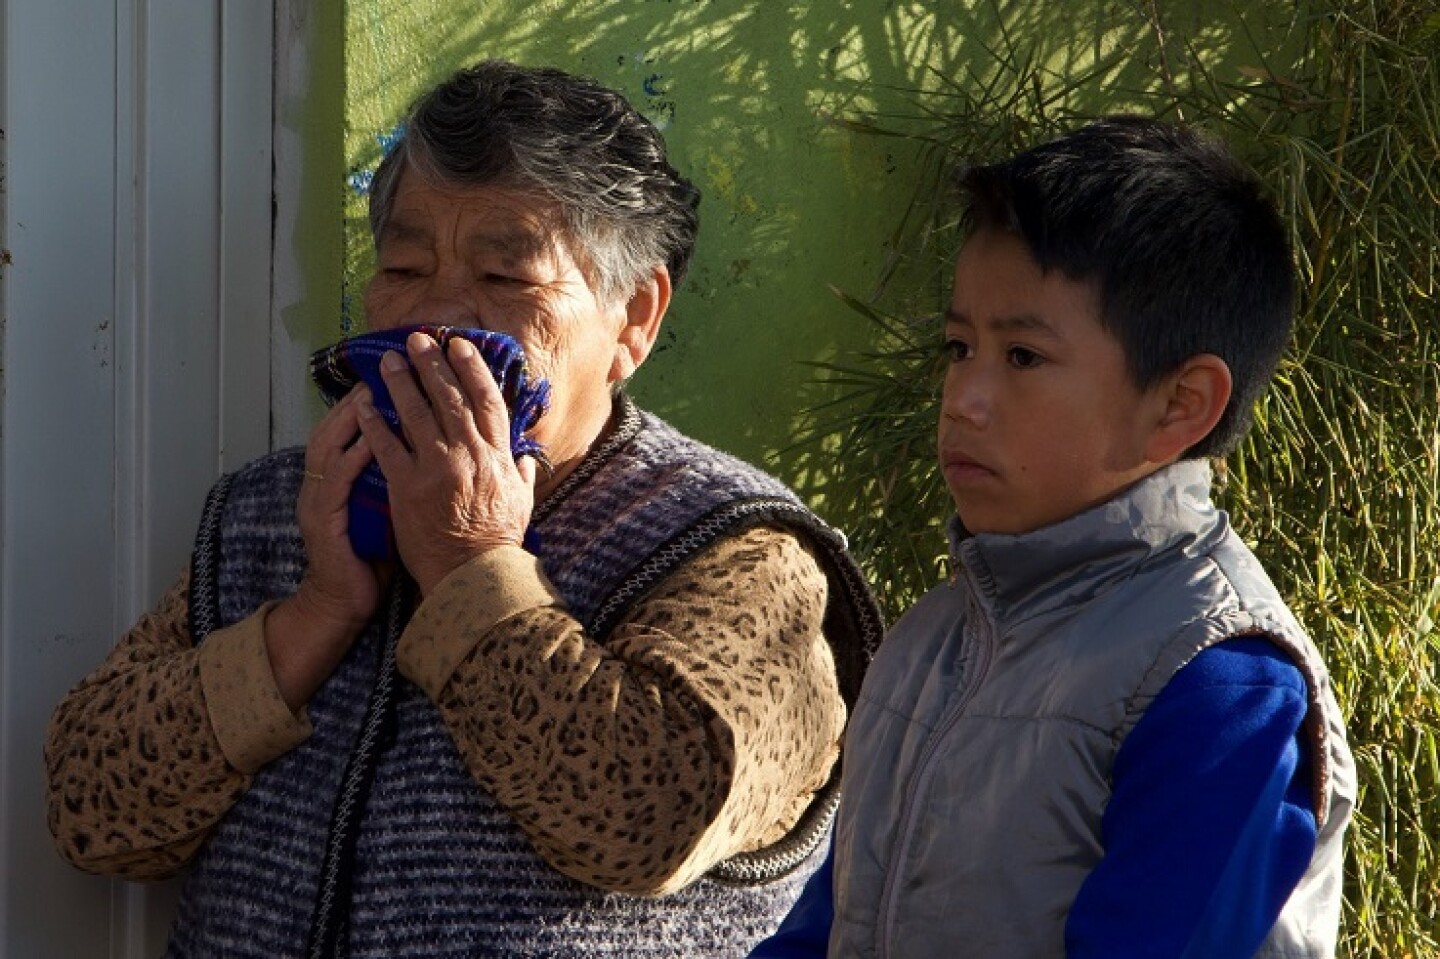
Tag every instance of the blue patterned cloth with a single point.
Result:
(336, 370)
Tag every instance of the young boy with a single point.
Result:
(1106, 736)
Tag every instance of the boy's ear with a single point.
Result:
(1194, 398)
(643, 313)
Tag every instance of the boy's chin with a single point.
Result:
(980, 513)
(977, 523)
(1005, 522)
(999, 530)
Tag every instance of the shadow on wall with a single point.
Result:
(757, 102)
(1027, 75)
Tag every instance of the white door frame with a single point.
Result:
(136, 312)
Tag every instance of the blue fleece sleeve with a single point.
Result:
(1211, 822)
(805, 933)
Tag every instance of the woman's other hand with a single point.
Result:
(309, 633)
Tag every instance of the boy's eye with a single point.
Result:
(1024, 359)
(958, 349)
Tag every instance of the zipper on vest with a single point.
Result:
(924, 767)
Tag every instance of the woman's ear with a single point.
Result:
(1194, 398)
(643, 313)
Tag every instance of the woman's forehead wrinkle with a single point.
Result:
(406, 229)
(511, 241)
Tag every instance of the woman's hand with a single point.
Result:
(456, 491)
(309, 633)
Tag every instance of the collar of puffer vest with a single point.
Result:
(1076, 559)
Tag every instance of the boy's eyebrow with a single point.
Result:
(1018, 323)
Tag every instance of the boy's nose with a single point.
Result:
(966, 399)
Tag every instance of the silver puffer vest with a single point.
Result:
(977, 765)
(371, 839)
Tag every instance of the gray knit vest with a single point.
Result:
(435, 867)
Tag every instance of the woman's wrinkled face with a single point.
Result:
(495, 257)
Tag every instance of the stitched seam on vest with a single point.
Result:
(762, 865)
(672, 554)
(1265, 623)
(1262, 625)
(1315, 723)
(327, 929)
(907, 717)
(204, 600)
(725, 519)
(1048, 718)
(625, 431)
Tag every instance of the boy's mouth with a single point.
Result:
(960, 467)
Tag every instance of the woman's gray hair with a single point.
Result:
(624, 207)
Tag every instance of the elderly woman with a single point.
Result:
(619, 741)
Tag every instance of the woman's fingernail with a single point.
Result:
(366, 411)
(462, 348)
(393, 361)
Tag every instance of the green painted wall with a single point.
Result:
(318, 239)
(752, 96)
(745, 94)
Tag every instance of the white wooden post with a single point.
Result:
(134, 366)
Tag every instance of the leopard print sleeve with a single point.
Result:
(137, 777)
(700, 728)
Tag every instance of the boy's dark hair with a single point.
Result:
(1187, 252)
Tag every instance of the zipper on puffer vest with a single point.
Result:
(924, 772)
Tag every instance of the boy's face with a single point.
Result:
(1040, 418)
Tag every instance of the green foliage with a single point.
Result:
(1338, 485)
